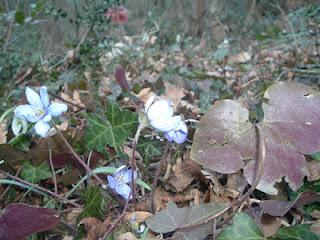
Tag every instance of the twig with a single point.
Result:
(41, 189)
(8, 188)
(69, 102)
(155, 181)
(133, 159)
(88, 169)
(119, 218)
(260, 156)
(53, 172)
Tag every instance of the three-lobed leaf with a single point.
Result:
(35, 174)
(225, 140)
(173, 218)
(296, 232)
(243, 227)
(112, 130)
(149, 149)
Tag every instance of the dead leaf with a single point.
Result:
(315, 227)
(315, 214)
(138, 216)
(240, 58)
(159, 193)
(269, 225)
(280, 207)
(314, 170)
(75, 99)
(127, 236)
(181, 178)
(236, 181)
(72, 216)
(3, 132)
(174, 93)
(95, 228)
(145, 94)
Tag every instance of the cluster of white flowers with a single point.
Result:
(160, 116)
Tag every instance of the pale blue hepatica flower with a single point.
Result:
(39, 110)
(120, 181)
(178, 134)
(160, 116)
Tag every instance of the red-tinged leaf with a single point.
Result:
(19, 220)
(280, 208)
(225, 139)
(120, 75)
(118, 15)
(62, 159)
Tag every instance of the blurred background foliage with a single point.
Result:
(37, 35)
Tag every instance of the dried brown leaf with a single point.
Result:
(3, 131)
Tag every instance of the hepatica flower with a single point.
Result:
(39, 110)
(120, 181)
(160, 116)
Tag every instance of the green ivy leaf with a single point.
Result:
(243, 228)
(149, 149)
(93, 203)
(296, 232)
(19, 17)
(112, 131)
(315, 156)
(35, 174)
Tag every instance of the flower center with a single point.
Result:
(40, 112)
(119, 177)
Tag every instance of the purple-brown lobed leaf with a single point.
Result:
(173, 218)
(281, 207)
(225, 139)
(19, 220)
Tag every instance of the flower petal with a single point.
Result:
(28, 112)
(161, 109)
(163, 125)
(180, 137)
(44, 97)
(123, 190)
(46, 118)
(42, 128)
(33, 98)
(56, 109)
(169, 135)
(16, 125)
(127, 176)
(112, 182)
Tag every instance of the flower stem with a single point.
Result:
(83, 164)
(133, 158)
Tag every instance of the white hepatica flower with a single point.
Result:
(39, 110)
(160, 116)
